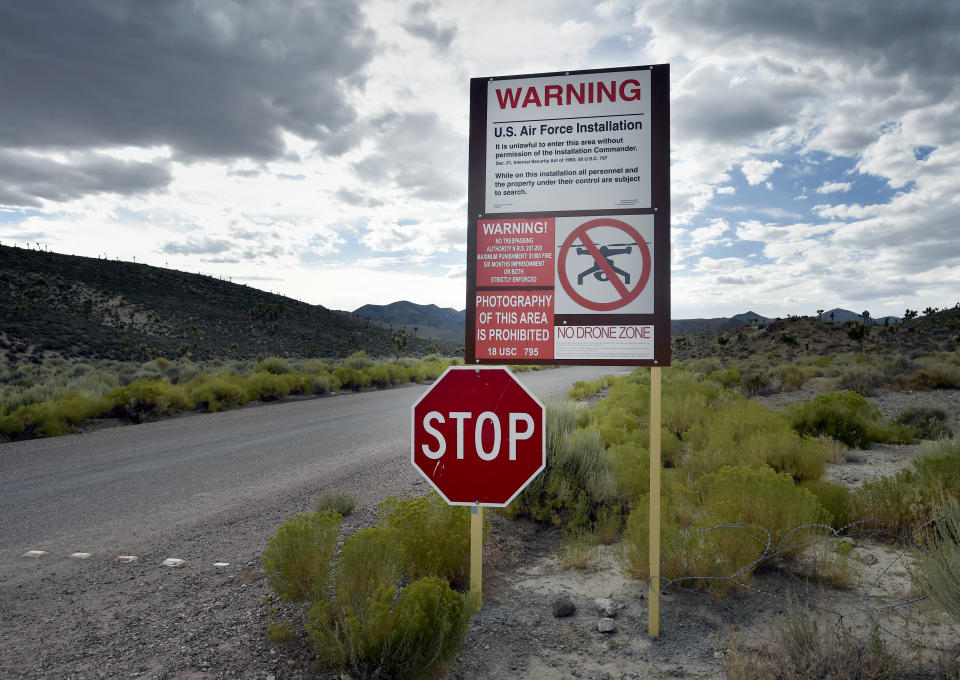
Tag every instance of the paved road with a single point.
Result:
(124, 486)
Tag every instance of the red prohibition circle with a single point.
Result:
(626, 295)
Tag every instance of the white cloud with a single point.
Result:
(834, 187)
(757, 171)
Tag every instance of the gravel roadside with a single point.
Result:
(65, 617)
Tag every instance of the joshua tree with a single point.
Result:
(909, 314)
(400, 341)
(819, 314)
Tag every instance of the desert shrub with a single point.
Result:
(338, 501)
(712, 534)
(608, 524)
(578, 549)
(860, 379)
(324, 382)
(929, 422)
(800, 651)
(938, 468)
(754, 381)
(399, 374)
(351, 378)
(839, 501)
(378, 375)
(909, 498)
(143, 397)
(52, 418)
(434, 538)
(775, 503)
(896, 501)
(727, 377)
(269, 386)
(583, 389)
(935, 563)
(939, 372)
(413, 640)
(790, 377)
(358, 361)
(275, 365)
(279, 632)
(847, 417)
(214, 394)
(742, 432)
(550, 495)
(297, 560)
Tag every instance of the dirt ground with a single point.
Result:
(124, 621)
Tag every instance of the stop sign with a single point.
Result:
(478, 436)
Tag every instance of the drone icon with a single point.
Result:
(607, 252)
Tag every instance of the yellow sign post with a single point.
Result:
(476, 553)
(654, 608)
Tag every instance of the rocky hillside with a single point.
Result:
(78, 306)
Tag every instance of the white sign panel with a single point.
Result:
(574, 142)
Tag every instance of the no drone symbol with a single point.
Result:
(603, 268)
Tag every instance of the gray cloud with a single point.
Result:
(420, 25)
(409, 146)
(357, 198)
(27, 179)
(916, 36)
(202, 246)
(210, 79)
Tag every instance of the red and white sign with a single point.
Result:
(568, 231)
(478, 436)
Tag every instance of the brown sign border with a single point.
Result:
(660, 209)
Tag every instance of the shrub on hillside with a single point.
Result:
(930, 422)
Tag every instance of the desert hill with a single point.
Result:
(96, 308)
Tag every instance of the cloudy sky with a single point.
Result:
(318, 148)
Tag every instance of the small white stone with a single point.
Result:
(606, 625)
(606, 606)
(173, 562)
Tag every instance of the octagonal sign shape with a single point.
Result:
(478, 436)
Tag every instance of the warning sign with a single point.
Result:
(515, 252)
(568, 256)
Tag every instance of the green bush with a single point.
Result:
(297, 560)
(324, 382)
(143, 397)
(338, 501)
(935, 563)
(351, 378)
(847, 417)
(419, 635)
(839, 501)
(896, 500)
(929, 422)
(268, 386)
(274, 365)
(215, 394)
(434, 538)
(52, 418)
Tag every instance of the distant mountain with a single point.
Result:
(844, 315)
(427, 321)
(717, 323)
(102, 309)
